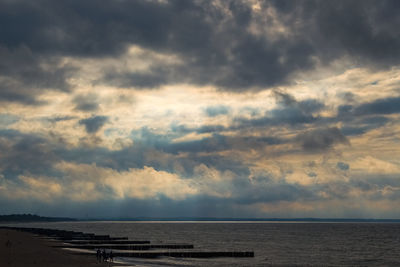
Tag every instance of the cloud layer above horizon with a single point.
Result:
(200, 108)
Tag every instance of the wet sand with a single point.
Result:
(20, 249)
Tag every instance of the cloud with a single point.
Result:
(361, 30)
(321, 139)
(214, 111)
(153, 78)
(355, 125)
(307, 106)
(361, 118)
(59, 118)
(133, 183)
(211, 129)
(242, 55)
(94, 123)
(83, 183)
(388, 105)
(7, 119)
(312, 174)
(152, 173)
(25, 152)
(25, 75)
(289, 112)
(87, 102)
(230, 45)
(211, 144)
(213, 139)
(372, 165)
(343, 166)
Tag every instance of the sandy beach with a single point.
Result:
(24, 249)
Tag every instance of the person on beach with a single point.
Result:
(104, 254)
(111, 256)
(98, 254)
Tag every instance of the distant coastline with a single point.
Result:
(31, 218)
(36, 218)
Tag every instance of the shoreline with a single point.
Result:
(20, 249)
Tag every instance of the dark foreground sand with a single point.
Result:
(25, 249)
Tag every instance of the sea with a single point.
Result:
(274, 243)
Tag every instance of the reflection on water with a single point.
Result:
(327, 244)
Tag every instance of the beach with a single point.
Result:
(19, 249)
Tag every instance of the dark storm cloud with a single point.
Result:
(354, 130)
(357, 126)
(310, 106)
(215, 143)
(94, 123)
(321, 139)
(388, 105)
(289, 112)
(181, 129)
(59, 118)
(25, 153)
(210, 144)
(214, 44)
(361, 118)
(218, 142)
(230, 57)
(288, 116)
(153, 79)
(284, 98)
(345, 111)
(360, 30)
(87, 102)
(23, 75)
(210, 129)
(307, 106)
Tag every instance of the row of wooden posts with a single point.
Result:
(88, 243)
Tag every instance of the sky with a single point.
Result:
(166, 108)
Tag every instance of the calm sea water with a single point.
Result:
(274, 244)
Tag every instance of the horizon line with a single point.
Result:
(178, 218)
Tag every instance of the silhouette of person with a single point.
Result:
(111, 256)
(104, 254)
(98, 254)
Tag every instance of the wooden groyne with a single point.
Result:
(131, 247)
(95, 237)
(87, 243)
(184, 254)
